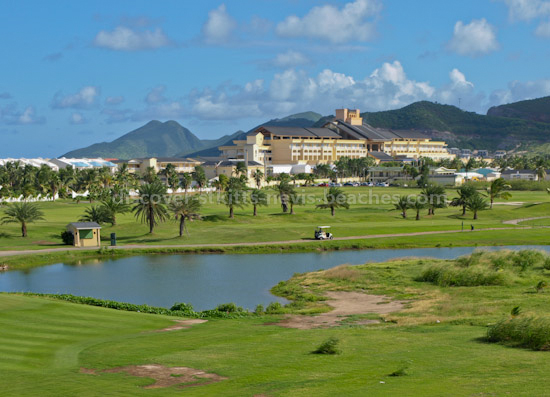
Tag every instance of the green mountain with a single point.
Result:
(171, 139)
(460, 128)
(532, 110)
(153, 139)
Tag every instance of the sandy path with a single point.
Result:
(260, 243)
(516, 221)
(344, 304)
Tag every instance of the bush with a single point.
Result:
(274, 307)
(546, 263)
(259, 309)
(229, 308)
(526, 259)
(528, 332)
(182, 307)
(67, 237)
(453, 276)
(330, 346)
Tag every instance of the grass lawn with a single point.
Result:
(437, 339)
(272, 225)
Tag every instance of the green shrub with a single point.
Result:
(259, 309)
(274, 307)
(546, 263)
(528, 259)
(229, 308)
(67, 237)
(330, 346)
(452, 276)
(528, 332)
(182, 307)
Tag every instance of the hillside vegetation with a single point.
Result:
(532, 110)
(460, 128)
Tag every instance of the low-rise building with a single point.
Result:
(526, 175)
(159, 164)
(385, 174)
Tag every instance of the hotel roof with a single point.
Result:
(297, 132)
(366, 131)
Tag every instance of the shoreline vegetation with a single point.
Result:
(500, 237)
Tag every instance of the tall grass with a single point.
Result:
(485, 268)
(529, 332)
(454, 276)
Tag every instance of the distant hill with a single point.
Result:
(171, 139)
(306, 119)
(153, 139)
(532, 110)
(460, 128)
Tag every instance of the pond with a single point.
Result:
(202, 280)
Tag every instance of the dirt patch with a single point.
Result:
(163, 376)
(182, 324)
(344, 304)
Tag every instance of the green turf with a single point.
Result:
(44, 343)
(272, 225)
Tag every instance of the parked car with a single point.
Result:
(348, 184)
(324, 184)
(383, 184)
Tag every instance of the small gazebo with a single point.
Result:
(85, 234)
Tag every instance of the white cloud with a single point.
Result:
(543, 30)
(156, 95)
(126, 39)
(354, 22)
(83, 99)
(11, 115)
(531, 10)
(219, 27)
(114, 100)
(519, 91)
(526, 10)
(77, 118)
(290, 59)
(117, 115)
(474, 39)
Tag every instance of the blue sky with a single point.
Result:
(75, 73)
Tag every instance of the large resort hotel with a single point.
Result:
(346, 136)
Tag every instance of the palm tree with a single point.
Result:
(464, 193)
(200, 177)
(258, 176)
(258, 198)
(295, 199)
(113, 207)
(403, 204)
(284, 191)
(241, 169)
(22, 213)
(186, 180)
(418, 204)
(98, 214)
(150, 175)
(151, 207)
(186, 209)
(235, 195)
(498, 190)
(435, 197)
(334, 198)
(222, 182)
(476, 203)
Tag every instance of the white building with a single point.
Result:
(84, 163)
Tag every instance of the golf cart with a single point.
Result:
(322, 233)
